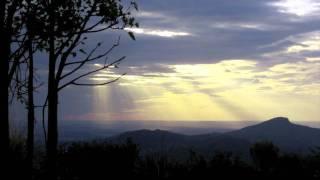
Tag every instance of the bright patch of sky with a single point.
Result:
(298, 7)
(158, 32)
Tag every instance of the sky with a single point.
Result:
(203, 60)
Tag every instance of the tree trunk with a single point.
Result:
(52, 103)
(4, 68)
(52, 143)
(52, 120)
(31, 116)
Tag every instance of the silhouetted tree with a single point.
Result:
(12, 49)
(198, 165)
(30, 16)
(97, 160)
(21, 70)
(4, 65)
(265, 155)
(290, 165)
(63, 26)
(313, 163)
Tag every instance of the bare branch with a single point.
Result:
(73, 45)
(98, 84)
(101, 29)
(91, 72)
(89, 59)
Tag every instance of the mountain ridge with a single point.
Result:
(283, 133)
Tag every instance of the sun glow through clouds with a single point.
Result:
(227, 90)
(281, 79)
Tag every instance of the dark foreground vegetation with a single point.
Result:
(99, 160)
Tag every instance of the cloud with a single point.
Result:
(256, 56)
(150, 15)
(246, 26)
(313, 59)
(298, 7)
(303, 46)
(232, 89)
(220, 76)
(219, 90)
(211, 30)
(307, 42)
(158, 32)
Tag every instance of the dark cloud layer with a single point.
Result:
(219, 29)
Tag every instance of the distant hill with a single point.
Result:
(153, 140)
(283, 133)
(286, 135)
(179, 145)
